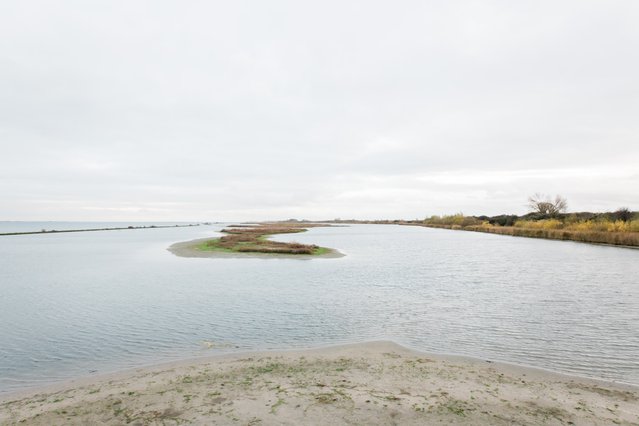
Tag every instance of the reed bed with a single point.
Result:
(598, 228)
(630, 239)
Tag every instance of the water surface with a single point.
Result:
(85, 303)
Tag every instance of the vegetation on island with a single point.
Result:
(254, 239)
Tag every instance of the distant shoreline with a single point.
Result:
(55, 231)
(629, 240)
(595, 238)
(364, 383)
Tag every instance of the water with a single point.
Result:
(82, 303)
(16, 226)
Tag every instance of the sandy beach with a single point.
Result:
(370, 383)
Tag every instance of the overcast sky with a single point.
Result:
(187, 110)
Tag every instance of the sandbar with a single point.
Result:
(371, 383)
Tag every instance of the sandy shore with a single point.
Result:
(371, 383)
(189, 249)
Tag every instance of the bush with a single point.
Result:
(502, 220)
(623, 214)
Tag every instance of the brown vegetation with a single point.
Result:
(597, 237)
(604, 228)
(253, 239)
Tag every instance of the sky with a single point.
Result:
(253, 110)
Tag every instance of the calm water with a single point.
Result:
(77, 304)
(7, 227)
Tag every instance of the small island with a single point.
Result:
(253, 241)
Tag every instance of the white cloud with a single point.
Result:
(229, 111)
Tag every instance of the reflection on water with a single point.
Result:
(71, 304)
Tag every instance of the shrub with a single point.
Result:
(623, 214)
(502, 220)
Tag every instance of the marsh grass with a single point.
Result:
(598, 237)
(254, 239)
(603, 229)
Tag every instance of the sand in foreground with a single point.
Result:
(372, 383)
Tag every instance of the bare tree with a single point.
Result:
(545, 205)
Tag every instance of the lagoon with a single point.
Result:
(86, 303)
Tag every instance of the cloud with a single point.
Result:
(231, 111)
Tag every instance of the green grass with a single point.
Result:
(321, 250)
(213, 245)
